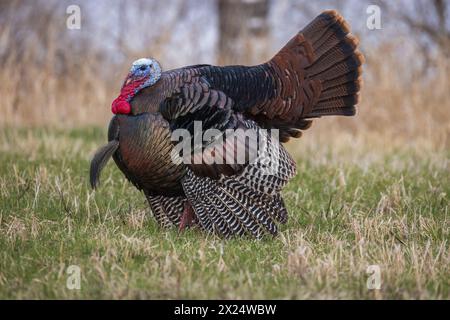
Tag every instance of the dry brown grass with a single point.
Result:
(355, 203)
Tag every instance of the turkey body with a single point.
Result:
(144, 153)
(316, 74)
(245, 203)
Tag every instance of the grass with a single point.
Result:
(356, 201)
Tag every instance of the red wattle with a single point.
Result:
(120, 106)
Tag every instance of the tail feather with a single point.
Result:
(330, 38)
(325, 57)
(342, 79)
(338, 102)
(341, 67)
(337, 65)
(347, 111)
(346, 48)
(321, 26)
(341, 90)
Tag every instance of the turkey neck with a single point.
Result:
(144, 153)
(149, 99)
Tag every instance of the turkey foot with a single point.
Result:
(188, 217)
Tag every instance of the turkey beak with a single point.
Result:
(128, 80)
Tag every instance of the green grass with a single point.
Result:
(352, 204)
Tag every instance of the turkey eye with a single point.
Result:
(142, 68)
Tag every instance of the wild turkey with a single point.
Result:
(316, 74)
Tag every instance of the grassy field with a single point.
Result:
(363, 201)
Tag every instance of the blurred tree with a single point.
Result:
(243, 31)
(428, 20)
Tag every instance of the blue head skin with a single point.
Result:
(144, 69)
(143, 73)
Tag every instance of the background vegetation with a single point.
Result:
(373, 189)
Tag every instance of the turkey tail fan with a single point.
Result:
(327, 67)
(336, 65)
(99, 161)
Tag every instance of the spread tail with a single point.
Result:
(324, 66)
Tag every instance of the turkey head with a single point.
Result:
(143, 73)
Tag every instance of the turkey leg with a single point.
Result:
(188, 218)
